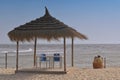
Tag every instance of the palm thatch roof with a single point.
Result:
(46, 27)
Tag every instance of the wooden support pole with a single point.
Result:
(5, 60)
(64, 54)
(72, 53)
(17, 52)
(35, 51)
(104, 62)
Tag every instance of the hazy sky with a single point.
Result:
(97, 19)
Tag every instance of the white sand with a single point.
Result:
(72, 74)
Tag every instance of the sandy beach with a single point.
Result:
(83, 63)
(72, 74)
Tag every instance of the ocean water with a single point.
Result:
(83, 54)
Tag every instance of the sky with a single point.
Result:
(99, 20)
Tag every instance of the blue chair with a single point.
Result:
(43, 58)
(57, 58)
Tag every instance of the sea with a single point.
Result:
(83, 54)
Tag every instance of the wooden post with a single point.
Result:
(35, 51)
(17, 51)
(64, 54)
(5, 60)
(72, 52)
(104, 62)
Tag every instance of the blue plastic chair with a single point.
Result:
(57, 58)
(43, 58)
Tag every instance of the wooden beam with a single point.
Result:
(5, 60)
(64, 54)
(35, 51)
(17, 52)
(72, 53)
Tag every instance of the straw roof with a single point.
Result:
(45, 27)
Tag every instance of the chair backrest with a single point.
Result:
(56, 57)
(43, 57)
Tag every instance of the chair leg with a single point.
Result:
(49, 63)
(36, 62)
(60, 62)
(53, 64)
(46, 64)
(40, 64)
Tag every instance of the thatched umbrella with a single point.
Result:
(46, 27)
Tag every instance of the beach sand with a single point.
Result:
(72, 74)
